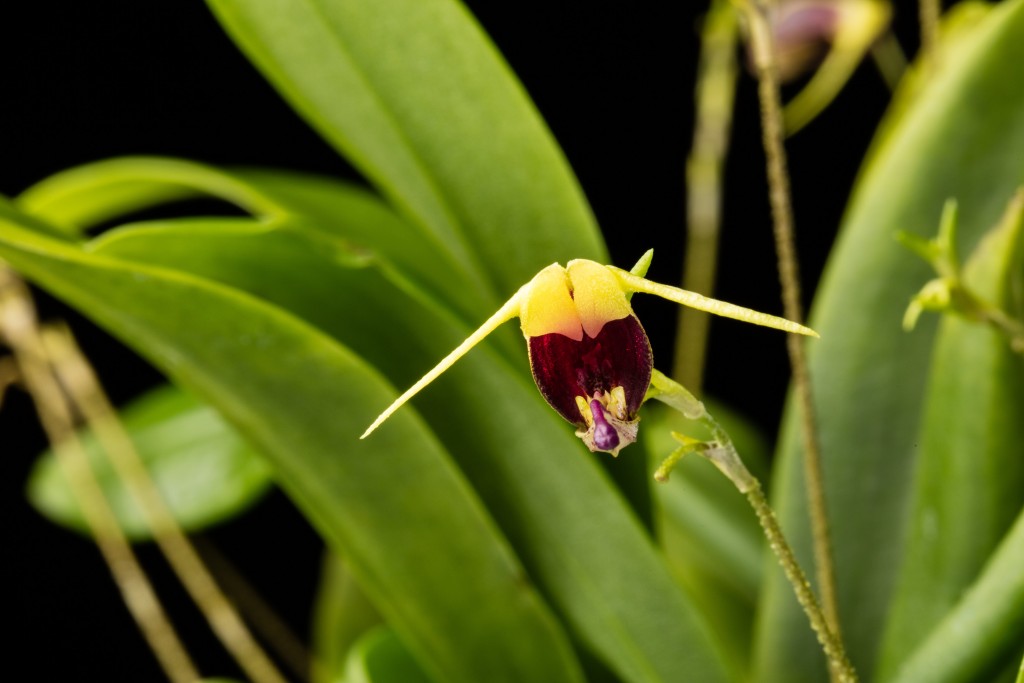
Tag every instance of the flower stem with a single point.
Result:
(830, 642)
(722, 453)
(928, 14)
(789, 275)
(715, 94)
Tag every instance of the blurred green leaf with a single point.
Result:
(380, 657)
(970, 473)
(416, 96)
(10, 211)
(204, 470)
(411, 528)
(567, 523)
(962, 138)
(982, 633)
(341, 615)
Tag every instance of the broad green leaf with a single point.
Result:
(341, 615)
(988, 618)
(971, 434)
(204, 470)
(380, 657)
(962, 138)
(567, 523)
(81, 197)
(413, 531)
(416, 96)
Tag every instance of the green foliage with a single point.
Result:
(473, 538)
(380, 657)
(971, 433)
(961, 137)
(204, 470)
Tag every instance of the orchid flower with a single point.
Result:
(589, 355)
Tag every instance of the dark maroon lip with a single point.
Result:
(619, 356)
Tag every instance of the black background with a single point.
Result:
(86, 81)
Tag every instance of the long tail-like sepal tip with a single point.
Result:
(376, 423)
(509, 310)
(684, 297)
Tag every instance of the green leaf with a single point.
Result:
(970, 474)
(988, 619)
(413, 531)
(962, 138)
(415, 95)
(358, 222)
(204, 470)
(567, 523)
(81, 197)
(380, 657)
(342, 614)
(9, 211)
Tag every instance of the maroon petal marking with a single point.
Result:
(564, 368)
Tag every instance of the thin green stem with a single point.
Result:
(889, 58)
(830, 642)
(789, 275)
(722, 453)
(715, 94)
(928, 15)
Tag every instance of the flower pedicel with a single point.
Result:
(589, 354)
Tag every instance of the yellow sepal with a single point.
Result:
(598, 294)
(547, 306)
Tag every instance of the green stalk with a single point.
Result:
(722, 453)
(756, 13)
(715, 93)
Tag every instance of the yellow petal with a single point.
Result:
(547, 306)
(599, 296)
